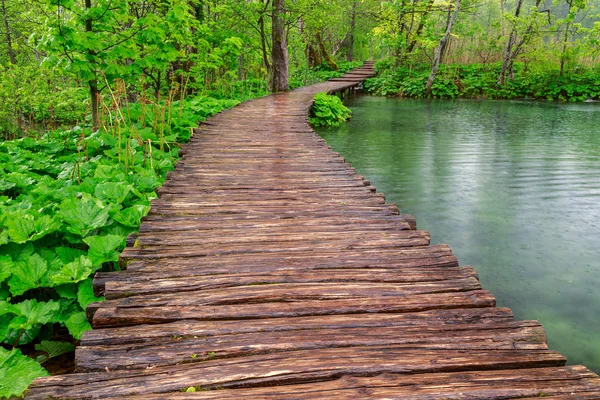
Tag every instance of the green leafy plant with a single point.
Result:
(328, 110)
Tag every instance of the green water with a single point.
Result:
(513, 187)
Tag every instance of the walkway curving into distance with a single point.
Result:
(269, 269)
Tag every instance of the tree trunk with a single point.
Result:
(279, 52)
(93, 83)
(241, 67)
(563, 54)
(314, 58)
(11, 53)
(514, 49)
(420, 27)
(263, 43)
(352, 31)
(441, 47)
(330, 62)
(508, 59)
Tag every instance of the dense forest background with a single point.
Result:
(96, 97)
(57, 54)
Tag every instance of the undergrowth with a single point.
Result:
(480, 81)
(328, 110)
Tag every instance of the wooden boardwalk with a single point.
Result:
(269, 269)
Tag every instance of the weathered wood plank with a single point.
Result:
(130, 283)
(106, 316)
(192, 328)
(552, 383)
(286, 368)
(514, 335)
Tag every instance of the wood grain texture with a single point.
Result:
(268, 269)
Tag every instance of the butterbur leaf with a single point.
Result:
(4, 326)
(131, 216)
(36, 313)
(73, 272)
(21, 336)
(4, 237)
(45, 225)
(28, 275)
(5, 185)
(113, 192)
(53, 349)
(108, 171)
(20, 253)
(6, 265)
(67, 254)
(17, 372)
(5, 307)
(83, 215)
(19, 226)
(85, 294)
(67, 291)
(103, 248)
(77, 324)
(20, 180)
(53, 260)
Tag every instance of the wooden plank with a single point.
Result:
(286, 368)
(552, 383)
(202, 249)
(192, 328)
(131, 283)
(505, 336)
(105, 316)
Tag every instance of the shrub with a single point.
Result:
(328, 111)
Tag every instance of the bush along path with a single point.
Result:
(267, 267)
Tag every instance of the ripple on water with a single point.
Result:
(512, 186)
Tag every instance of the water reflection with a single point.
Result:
(513, 187)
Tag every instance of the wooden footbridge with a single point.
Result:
(269, 269)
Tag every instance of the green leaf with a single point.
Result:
(53, 349)
(67, 254)
(103, 248)
(113, 192)
(45, 225)
(17, 372)
(4, 237)
(23, 226)
(77, 324)
(6, 266)
(85, 294)
(4, 326)
(67, 291)
(20, 180)
(73, 272)
(28, 275)
(36, 313)
(83, 215)
(131, 216)
(21, 336)
(20, 225)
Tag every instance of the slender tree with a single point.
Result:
(280, 58)
(438, 55)
(11, 52)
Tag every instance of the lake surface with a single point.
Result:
(512, 186)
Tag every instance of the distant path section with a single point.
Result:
(268, 269)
